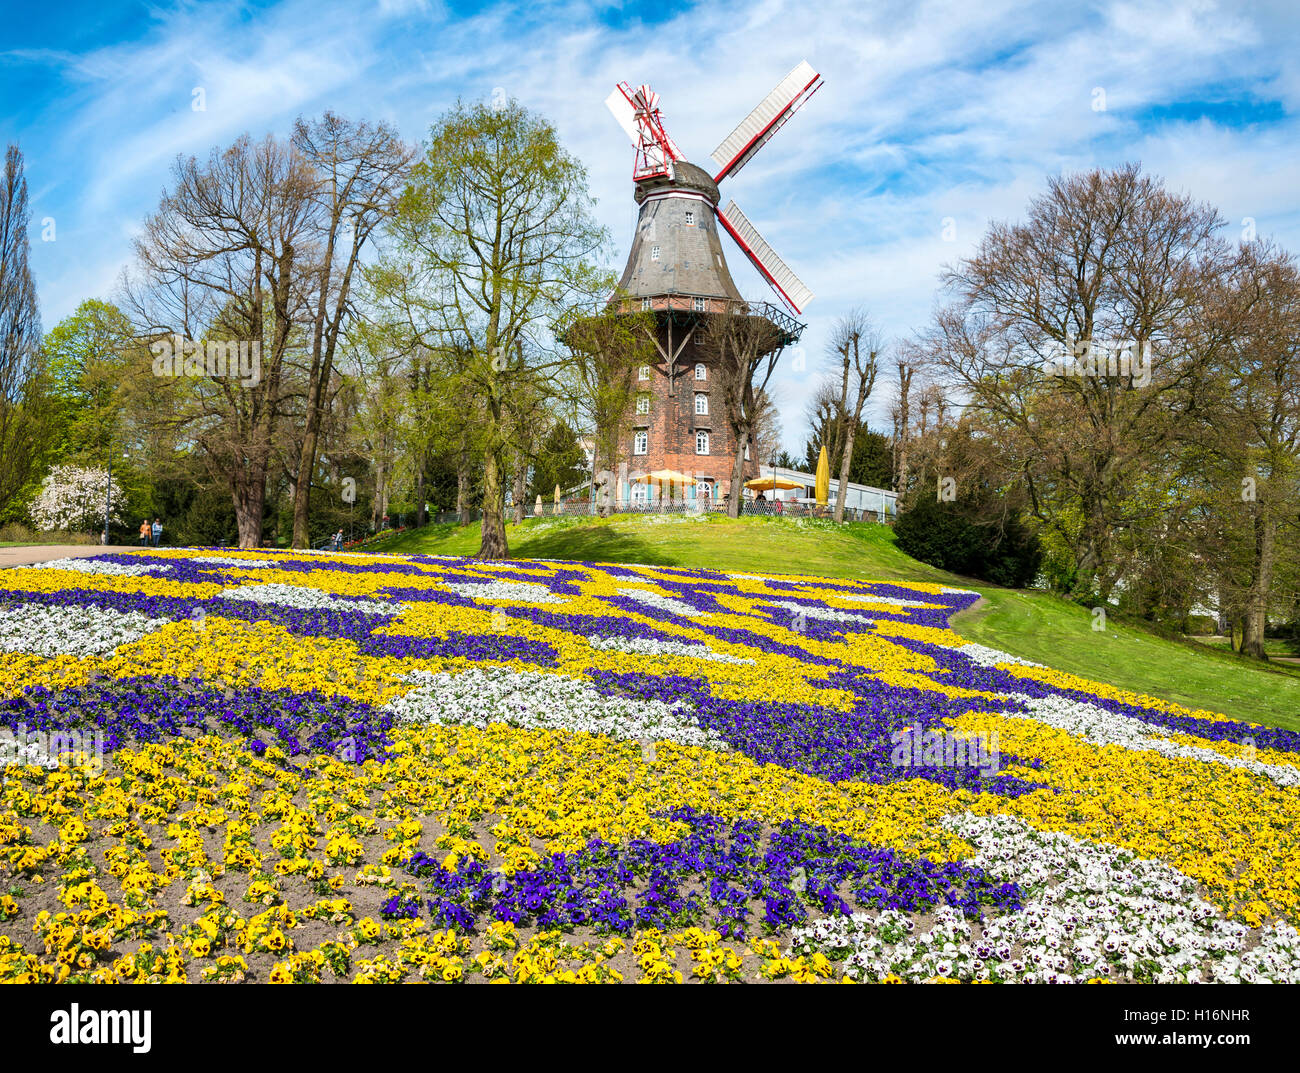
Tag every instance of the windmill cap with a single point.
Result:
(686, 176)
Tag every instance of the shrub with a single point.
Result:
(944, 535)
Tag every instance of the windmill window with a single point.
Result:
(641, 443)
(690, 219)
(654, 253)
(645, 303)
(701, 443)
(643, 404)
(643, 373)
(701, 403)
(699, 305)
(701, 373)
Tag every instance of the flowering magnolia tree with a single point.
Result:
(72, 499)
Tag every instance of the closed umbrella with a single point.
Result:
(823, 478)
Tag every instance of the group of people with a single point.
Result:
(151, 533)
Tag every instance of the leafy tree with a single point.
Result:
(492, 240)
(560, 461)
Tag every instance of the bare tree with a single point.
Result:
(606, 350)
(223, 258)
(909, 359)
(1104, 259)
(1252, 422)
(746, 348)
(358, 171)
(857, 345)
(765, 435)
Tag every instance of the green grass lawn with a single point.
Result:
(1029, 624)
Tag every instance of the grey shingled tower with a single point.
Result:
(676, 251)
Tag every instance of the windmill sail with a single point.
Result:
(757, 128)
(622, 110)
(786, 284)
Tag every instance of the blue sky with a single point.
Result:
(931, 111)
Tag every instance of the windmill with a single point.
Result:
(676, 271)
(676, 196)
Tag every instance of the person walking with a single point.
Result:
(338, 540)
(145, 533)
(157, 532)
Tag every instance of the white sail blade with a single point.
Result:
(790, 287)
(754, 131)
(622, 110)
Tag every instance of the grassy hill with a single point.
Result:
(1029, 624)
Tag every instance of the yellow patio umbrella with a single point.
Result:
(772, 483)
(823, 478)
(669, 477)
(664, 476)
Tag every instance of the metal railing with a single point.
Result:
(748, 508)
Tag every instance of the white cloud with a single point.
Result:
(930, 110)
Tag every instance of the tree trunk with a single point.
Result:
(519, 492)
(1256, 617)
(493, 545)
(462, 484)
(904, 430)
(845, 463)
(249, 496)
(738, 474)
(420, 517)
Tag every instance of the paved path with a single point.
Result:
(40, 553)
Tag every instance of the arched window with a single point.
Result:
(701, 443)
(701, 373)
(641, 443)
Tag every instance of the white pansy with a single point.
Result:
(95, 566)
(1090, 910)
(306, 598)
(645, 646)
(520, 591)
(663, 603)
(1101, 727)
(828, 614)
(220, 560)
(886, 601)
(991, 657)
(543, 701)
(72, 631)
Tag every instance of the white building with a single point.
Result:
(858, 496)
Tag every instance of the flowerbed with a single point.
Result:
(377, 768)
